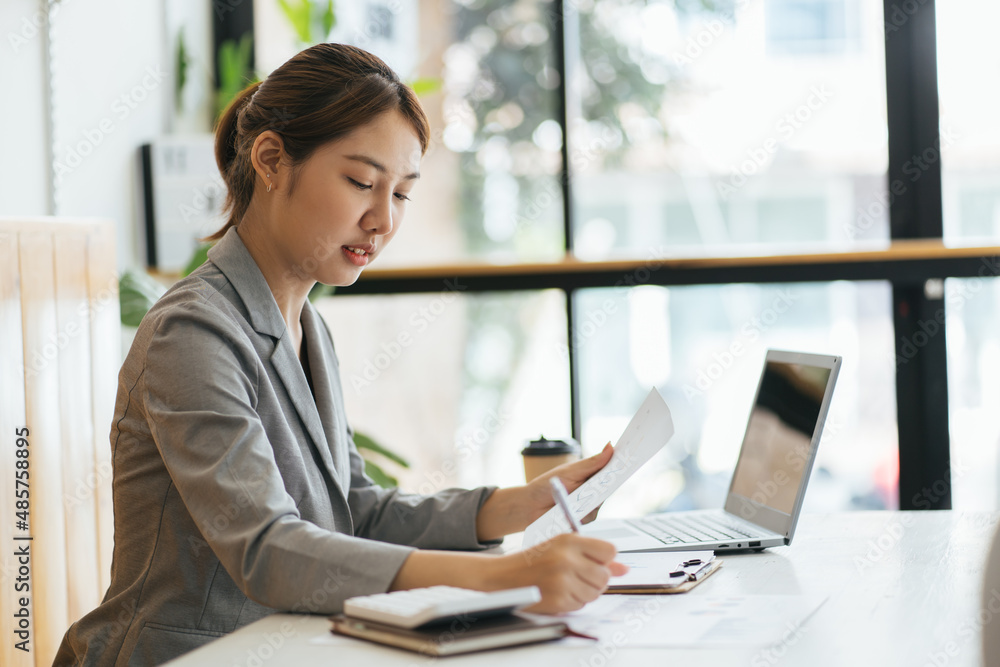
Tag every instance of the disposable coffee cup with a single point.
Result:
(543, 455)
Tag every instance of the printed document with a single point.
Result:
(650, 429)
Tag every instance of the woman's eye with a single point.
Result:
(401, 197)
(358, 185)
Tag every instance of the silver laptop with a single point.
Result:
(769, 483)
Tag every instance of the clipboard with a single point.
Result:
(662, 573)
(656, 589)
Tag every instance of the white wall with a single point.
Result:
(23, 189)
(112, 71)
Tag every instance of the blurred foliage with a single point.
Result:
(198, 258)
(425, 85)
(502, 93)
(373, 453)
(311, 21)
(200, 255)
(137, 292)
(622, 87)
(235, 70)
(182, 63)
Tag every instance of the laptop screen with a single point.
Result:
(776, 452)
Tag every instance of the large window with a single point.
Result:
(970, 135)
(703, 347)
(457, 383)
(650, 129)
(702, 137)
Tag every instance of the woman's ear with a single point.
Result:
(267, 156)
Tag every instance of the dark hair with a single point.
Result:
(319, 95)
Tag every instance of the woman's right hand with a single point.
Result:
(570, 570)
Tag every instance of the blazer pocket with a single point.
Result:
(159, 643)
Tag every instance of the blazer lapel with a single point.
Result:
(323, 365)
(286, 363)
(238, 265)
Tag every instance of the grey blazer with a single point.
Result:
(236, 494)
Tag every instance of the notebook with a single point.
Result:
(461, 635)
(769, 482)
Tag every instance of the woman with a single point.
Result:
(238, 490)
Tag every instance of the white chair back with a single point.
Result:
(59, 360)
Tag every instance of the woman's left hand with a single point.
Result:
(572, 475)
(511, 510)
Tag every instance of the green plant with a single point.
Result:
(235, 70)
(425, 85)
(198, 257)
(183, 62)
(371, 452)
(308, 18)
(137, 292)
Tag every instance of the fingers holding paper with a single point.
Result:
(572, 476)
(577, 472)
(570, 570)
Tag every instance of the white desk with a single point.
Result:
(904, 589)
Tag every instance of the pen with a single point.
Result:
(562, 500)
(702, 569)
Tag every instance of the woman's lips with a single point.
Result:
(355, 258)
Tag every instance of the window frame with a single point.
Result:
(915, 263)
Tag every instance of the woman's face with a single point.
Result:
(349, 200)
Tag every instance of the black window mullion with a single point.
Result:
(559, 29)
(915, 211)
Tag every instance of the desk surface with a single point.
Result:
(904, 589)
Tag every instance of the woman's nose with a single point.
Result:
(379, 217)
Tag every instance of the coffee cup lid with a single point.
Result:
(545, 447)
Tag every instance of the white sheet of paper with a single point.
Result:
(654, 568)
(650, 429)
(694, 620)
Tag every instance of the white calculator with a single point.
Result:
(423, 606)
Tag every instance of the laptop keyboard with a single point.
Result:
(688, 530)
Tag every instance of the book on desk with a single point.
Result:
(454, 636)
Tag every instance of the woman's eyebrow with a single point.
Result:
(378, 166)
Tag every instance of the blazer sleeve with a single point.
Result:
(444, 520)
(200, 394)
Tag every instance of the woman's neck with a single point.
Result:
(288, 288)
